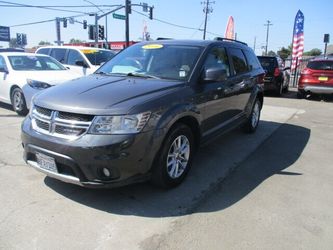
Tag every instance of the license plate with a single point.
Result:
(322, 78)
(46, 162)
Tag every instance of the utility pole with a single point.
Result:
(254, 44)
(127, 6)
(58, 41)
(267, 34)
(106, 20)
(96, 30)
(207, 9)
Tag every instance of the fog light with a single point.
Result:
(106, 172)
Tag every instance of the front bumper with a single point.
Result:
(81, 161)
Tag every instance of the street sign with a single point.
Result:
(4, 34)
(117, 16)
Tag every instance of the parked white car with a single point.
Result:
(82, 60)
(24, 74)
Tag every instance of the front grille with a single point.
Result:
(60, 124)
(44, 111)
(69, 130)
(43, 125)
(75, 117)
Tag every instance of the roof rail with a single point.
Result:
(229, 40)
(164, 38)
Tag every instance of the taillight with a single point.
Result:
(277, 72)
(261, 79)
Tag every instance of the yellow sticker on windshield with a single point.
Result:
(152, 46)
(89, 51)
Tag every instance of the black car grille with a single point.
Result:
(75, 117)
(60, 124)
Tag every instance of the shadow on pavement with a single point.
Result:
(6, 106)
(211, 169)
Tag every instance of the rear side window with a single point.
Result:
(59, 54)
(44, 51)
(252, 60)
(320, 65)
(238, 60)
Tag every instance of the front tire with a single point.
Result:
(174, 159)
(251, 124)
(18, 102)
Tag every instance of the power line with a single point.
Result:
(44, 21)
(60, 6)
(41, 7)
(177, 25)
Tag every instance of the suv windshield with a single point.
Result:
(34, 63)
(320, 65)
(173, 62)
(97, 57)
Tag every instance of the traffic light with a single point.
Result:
(18, 38)
(24, 39)
(151, 13)
(91, 32)
(65, 23)
(101, 32)
(85, 24)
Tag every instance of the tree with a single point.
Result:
(44, 43)
(313, 52)
(73, 40)
(271, 53)
(13, 43)
(284, 52)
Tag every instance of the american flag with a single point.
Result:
(298, 39)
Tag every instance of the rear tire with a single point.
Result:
(251, 124)
(174, 159)
(18, 102)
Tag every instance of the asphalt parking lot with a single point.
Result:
(269, 190)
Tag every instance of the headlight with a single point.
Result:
(127, 124)
(37, 84)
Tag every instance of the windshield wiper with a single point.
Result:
(101, 73)
(142, 75)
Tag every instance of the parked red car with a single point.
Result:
(316, 78)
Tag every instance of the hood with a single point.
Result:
(52, 77)
(98, 95)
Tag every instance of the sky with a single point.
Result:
(249, 16)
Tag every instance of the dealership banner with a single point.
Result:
(230, 29)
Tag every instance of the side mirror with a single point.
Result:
(81, 63)
(4, 70)
(214, 75)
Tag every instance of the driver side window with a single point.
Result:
(217, 58)
(74, 56)
(2, 63)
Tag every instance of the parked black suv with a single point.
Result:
(143, 114)
(277, 77)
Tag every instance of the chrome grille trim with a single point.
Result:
(57, 126)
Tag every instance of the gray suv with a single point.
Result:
(142, 115)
